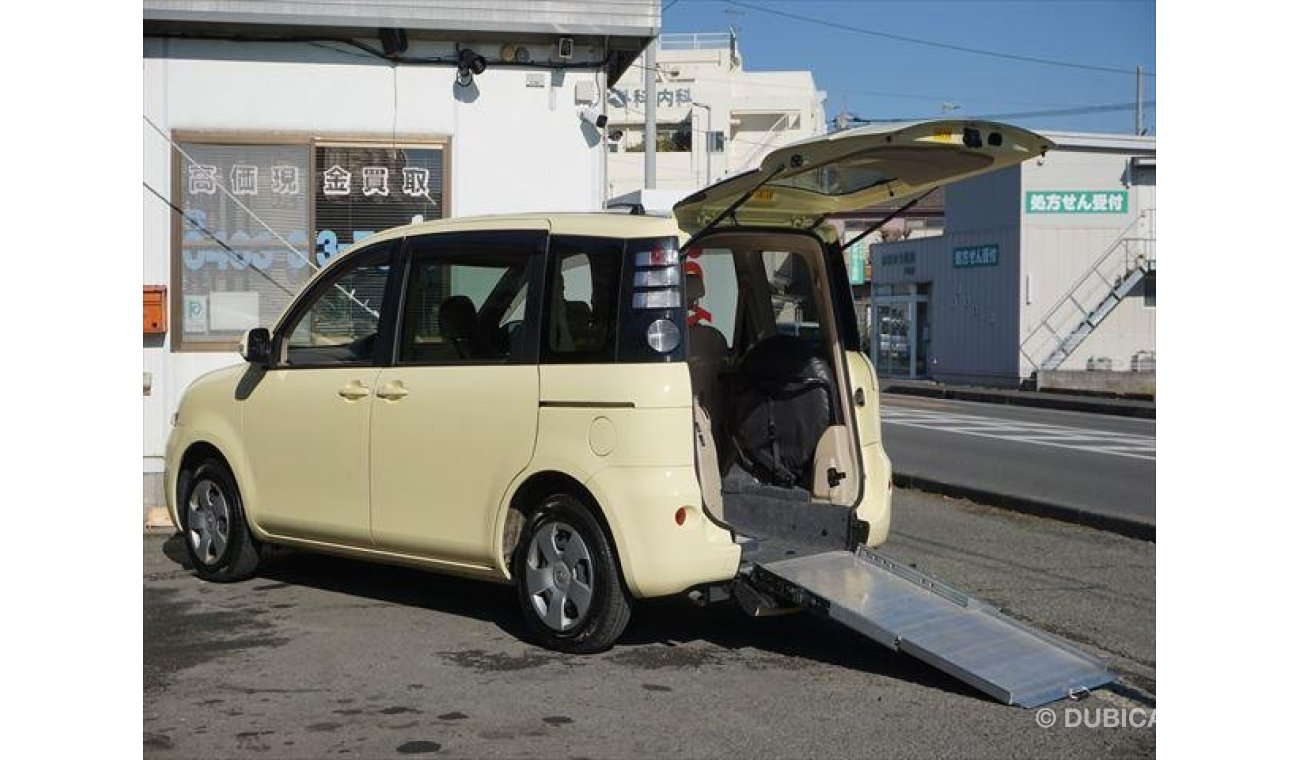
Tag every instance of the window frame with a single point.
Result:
(177, 342)
(537, 240)
(328, 277)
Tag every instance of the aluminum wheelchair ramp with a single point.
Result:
(906, 611)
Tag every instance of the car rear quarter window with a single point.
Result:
(582, 299)
(609, 301)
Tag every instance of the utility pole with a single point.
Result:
(1138, 127)
(708, 147)
(651, 100)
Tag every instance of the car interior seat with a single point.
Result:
(706, 351)
(458, 324)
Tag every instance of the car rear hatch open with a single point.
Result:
(797, 185)
(889, 602)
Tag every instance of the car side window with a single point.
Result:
(468, 300)
(712, 290)
(341, 324)
(582, 299)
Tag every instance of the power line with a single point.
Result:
(1081, 110)
(932, 43)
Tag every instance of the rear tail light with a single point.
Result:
(657, 278)
(657, 299)
(657, 257)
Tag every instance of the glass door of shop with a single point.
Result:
(900, 334)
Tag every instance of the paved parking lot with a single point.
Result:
(329, 657)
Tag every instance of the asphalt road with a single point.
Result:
(328, 657)
(1096, 463)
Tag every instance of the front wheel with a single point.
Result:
(217, 540)
(568, 580)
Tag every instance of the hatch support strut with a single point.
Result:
(730, 210)
(890, 217)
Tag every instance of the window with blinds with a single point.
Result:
(258, 219)
(245, 211)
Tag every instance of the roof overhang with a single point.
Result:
(624, 29)
(1101, 142)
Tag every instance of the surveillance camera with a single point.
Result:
(614, 135)
(593, 116)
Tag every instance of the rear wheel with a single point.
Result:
(568, 580)
(216, 536)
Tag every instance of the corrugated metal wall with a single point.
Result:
(974, 327)
(981, 203)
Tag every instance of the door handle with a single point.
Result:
(392, 390)
(354, 390)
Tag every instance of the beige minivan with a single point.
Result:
(594, 407)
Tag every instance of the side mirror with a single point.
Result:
(255, 346)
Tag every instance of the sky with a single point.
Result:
(876, 77)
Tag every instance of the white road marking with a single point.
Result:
(1037, 433)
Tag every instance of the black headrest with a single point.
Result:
(784, 359)
(457, 317)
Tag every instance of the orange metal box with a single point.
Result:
(155, 309)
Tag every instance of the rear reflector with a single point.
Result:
(680, 517)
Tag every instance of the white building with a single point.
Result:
(714, 118)
(1045, 270)
(277, 133)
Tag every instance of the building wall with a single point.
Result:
(973, 319)
(973, 311)
(986, 202)
(1060, 249)
(980, 316)
(512, 147)
(754, 111)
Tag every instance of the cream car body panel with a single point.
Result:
(208, 415)
(875, 507)
(306, 439)
(624, 432)
(443, 454)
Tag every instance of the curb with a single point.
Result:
(157, 518)
(1117, 407)
(1124, 526)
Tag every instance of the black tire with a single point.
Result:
(591, 572)
(218, 543)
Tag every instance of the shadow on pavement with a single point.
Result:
(655, 638)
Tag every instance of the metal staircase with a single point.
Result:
(1094, 295)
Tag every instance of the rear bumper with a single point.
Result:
(658, 556)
